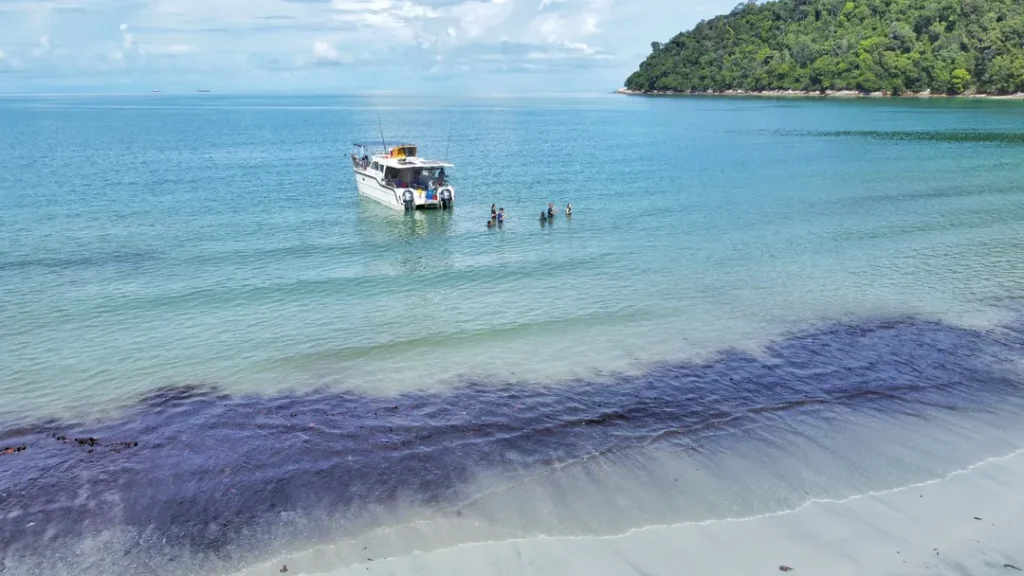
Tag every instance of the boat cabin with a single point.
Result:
(399, 167)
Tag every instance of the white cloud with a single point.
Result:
(268, 43)
(43, 47)
(579, 48)
(324, 53)
(127, 39)
(402, 22)
(10, 63)
(411, 11)
(361, 5)
(548, 27)
(480, 18)
(566, 51)
(169, 49)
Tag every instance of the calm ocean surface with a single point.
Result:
(197, 274)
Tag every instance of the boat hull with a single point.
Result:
(371, 188)
(368, 187)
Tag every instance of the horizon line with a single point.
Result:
(306, 92)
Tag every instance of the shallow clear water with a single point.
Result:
(154, 241)
(197, 274)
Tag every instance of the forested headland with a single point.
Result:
(893, 46)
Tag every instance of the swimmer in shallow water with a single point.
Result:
(551, 210)
(568, 209)
(490, 223)
(501, 216)
(494, 212)
(543, 217)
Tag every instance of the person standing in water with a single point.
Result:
(501, 216)
(568, 209)
(551, 210)
(494, 212)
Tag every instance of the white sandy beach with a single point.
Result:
(968, 522)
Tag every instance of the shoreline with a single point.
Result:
(962, 522)
(815, 94)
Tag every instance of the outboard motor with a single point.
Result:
(446, 199)
(409, 200)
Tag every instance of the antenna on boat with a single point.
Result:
(449, 145)
(382, 142)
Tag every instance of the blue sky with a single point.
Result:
(407, 46)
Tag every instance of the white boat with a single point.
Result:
(398, 178)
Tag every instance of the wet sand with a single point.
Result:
(965, 523)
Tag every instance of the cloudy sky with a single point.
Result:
(408, 46)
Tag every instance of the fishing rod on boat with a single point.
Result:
(448, 146)
(381, 126)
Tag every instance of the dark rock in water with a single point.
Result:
(13, 450)
(119, 446)
(1012, 567)
(976, 518)
(283, 569)
(88, 441)
(785, 568)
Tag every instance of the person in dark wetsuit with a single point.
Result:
(551, 210)
(494, 212)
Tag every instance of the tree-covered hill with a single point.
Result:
(897, 46)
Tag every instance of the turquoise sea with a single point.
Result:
(296, 365)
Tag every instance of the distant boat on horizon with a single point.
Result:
(155, 90)
(202, 90)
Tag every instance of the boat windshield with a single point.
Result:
(361, 158)
(415, 177)
(439, 176)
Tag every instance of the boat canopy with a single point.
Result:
(378, 144)
(406, 162)
(394, 149)
(400, 154)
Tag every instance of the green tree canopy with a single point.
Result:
(946, 46)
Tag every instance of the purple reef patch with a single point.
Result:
(199, 470)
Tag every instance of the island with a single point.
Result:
(851, 47)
